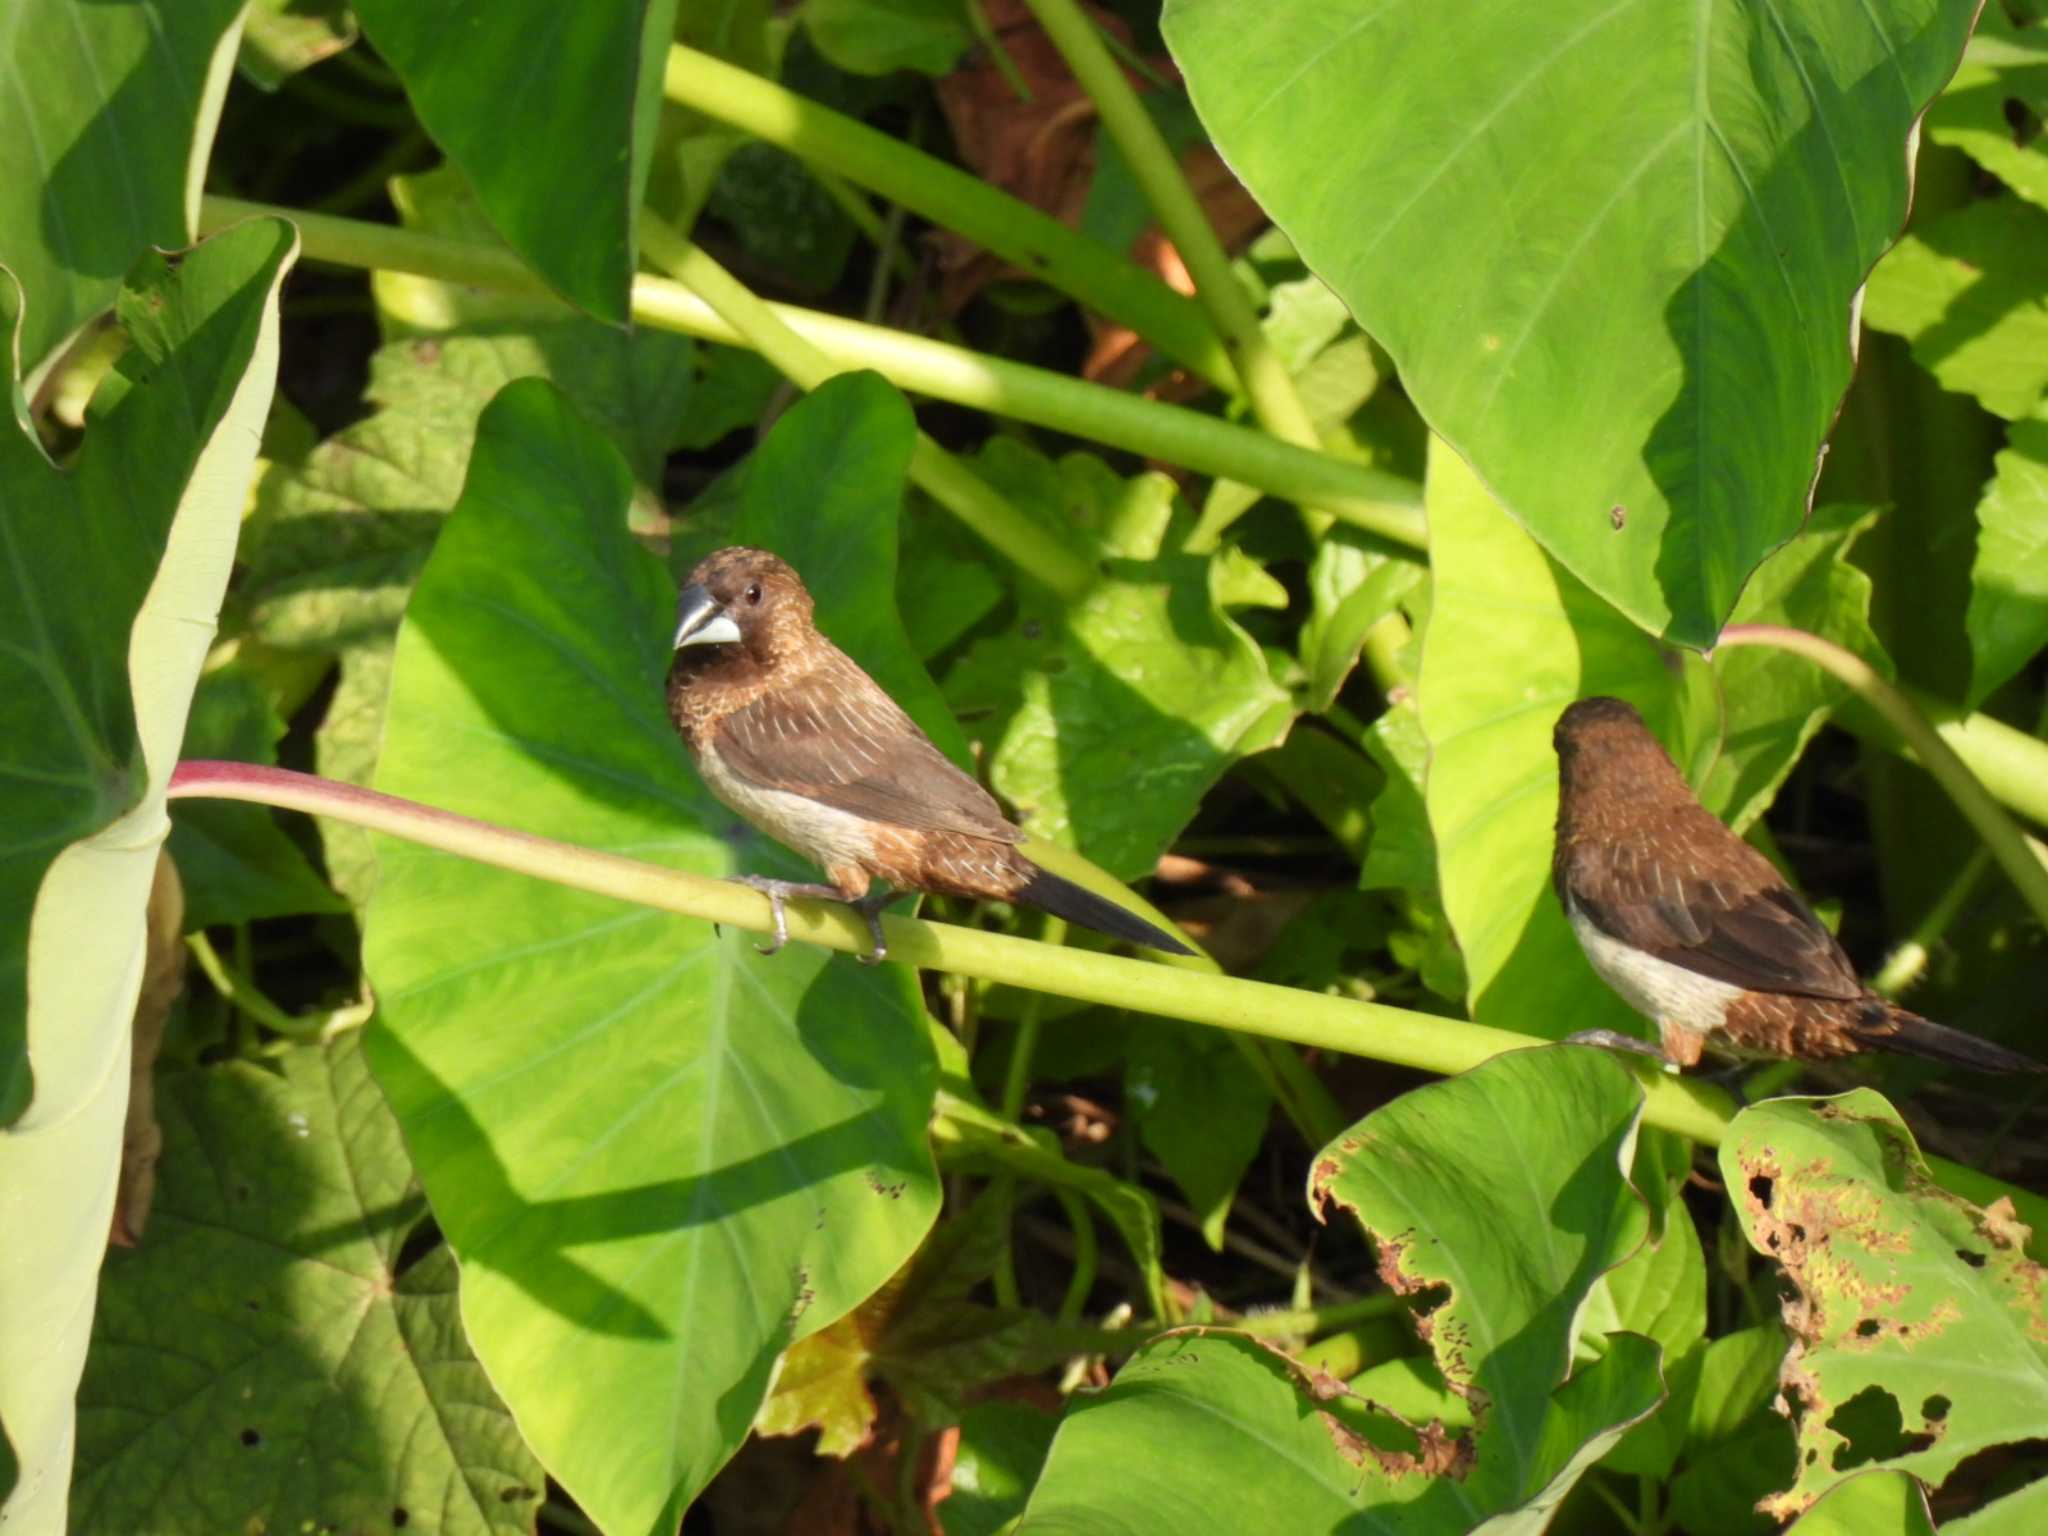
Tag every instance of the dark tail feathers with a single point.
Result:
(1062, 898)
(1911, 1035)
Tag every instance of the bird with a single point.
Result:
(789, 733)
(1697, 930)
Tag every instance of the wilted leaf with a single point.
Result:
(1919, 1330)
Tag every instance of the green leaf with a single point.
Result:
(996, 1460)
(2017, 1514)
(1869, 1504)
(685, 1156)
(1971, 114)
(586, 79)
(1402, 854)
(785, 221)
(263, 1361)
(1633, 298)
(1201, 1110)
(104, 132)
(1511, 640)
(124, 555)
(1919, 1332)
(1112, 717)
(1212, 1431)
(1351, 588)
(877, 37)
(2008, 615)
(1966, 290)
(235, 861)
(282, 37)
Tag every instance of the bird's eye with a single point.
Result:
(754, 592)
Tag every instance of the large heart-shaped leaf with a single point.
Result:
(269, 1360)
(660, 1157)
(585, 78)
(1215, 1432)
(112, 574)
(1613, 249)
(105, 126)
(1919, 1332)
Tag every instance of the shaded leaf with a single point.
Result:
(678, 1129)
(2008, 616)
(1001, 1449)
(282, 37)
(1201, 1110)
(1971, 115)
(262, 1361)
(876, 37)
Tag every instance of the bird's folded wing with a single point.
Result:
(832, 735)
(1751, 930)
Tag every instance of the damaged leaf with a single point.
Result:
(1919, 1335)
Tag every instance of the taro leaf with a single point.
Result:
(1869, 1504)
(1633, 297)
(1919, 1331)
(1351, 588)
(878, 37)
(585, 78)
(235, 861)
(282, 37)
(1201, 1110)
(1402, 854)
(1111, 717)
(1511, 640)
(105, 126)
(113, 573)
(2008, 617)
(1212, 1431)
(262, 1362)
(1001, 1448)
(1971, 114)
(1967, 290)
(784, 220)
(660, 1157)
(1736, 1446)
(944, 587)
(823, 492)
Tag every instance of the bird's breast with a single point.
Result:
(829, 837)
(1659, 990)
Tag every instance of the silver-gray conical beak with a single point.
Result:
(700, 621)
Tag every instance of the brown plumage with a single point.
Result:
(790, 733)
(1696, 929)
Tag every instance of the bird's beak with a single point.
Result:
(700, 621)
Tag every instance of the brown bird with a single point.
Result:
(790, 733)
(1697, 930)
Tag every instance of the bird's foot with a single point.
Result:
(871, 907)
(778, 891)
(1615, 1040)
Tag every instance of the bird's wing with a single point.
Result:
(1744, 925)
(832, 735)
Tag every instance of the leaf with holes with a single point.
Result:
(1920, 1335)
(267, 1359)
(660, 1157)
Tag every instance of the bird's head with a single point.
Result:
(1603, 740)
(743, 601)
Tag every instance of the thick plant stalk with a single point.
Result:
(951, 198)
(1690, 1108)
(2001, 834)
(1384, 505)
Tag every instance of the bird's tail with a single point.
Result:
(1911, 1035)
(1077, 904)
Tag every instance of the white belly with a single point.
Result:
(1664, 993)
(829, 838)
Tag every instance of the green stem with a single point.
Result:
(1017, 1073)
(1082, 1280)
(1157, 171)
(1907, 963)
(1425, 1041)
(1382, 504)
(985, 510)
(948, 196)
(2001, 834)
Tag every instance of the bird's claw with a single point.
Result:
(871, 907)
(1614, 1040)
(778, 891)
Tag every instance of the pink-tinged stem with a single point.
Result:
(2002, 835)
